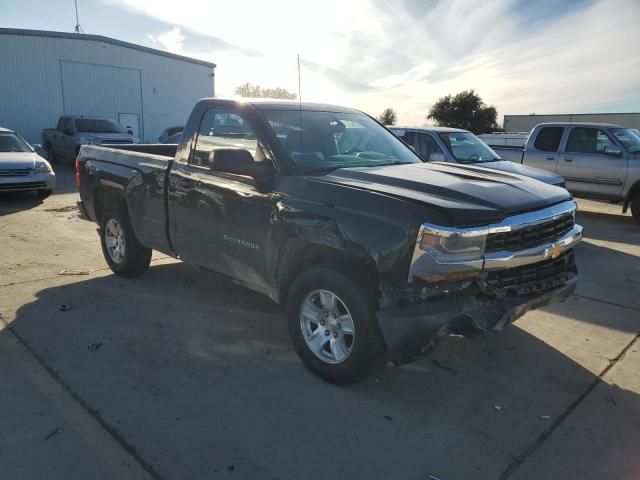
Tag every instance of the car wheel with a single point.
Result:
(51, 154)
(331, 320)
(635, 207)
(124, 254)
(44, 193)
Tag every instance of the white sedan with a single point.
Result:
(21, 168)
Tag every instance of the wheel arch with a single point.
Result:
(302, 255)
(635, 188)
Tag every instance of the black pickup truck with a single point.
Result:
(374, 254)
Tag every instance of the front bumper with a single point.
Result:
(411, 328)
(34, 181)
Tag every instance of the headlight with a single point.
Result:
(42, 167)
(454, 247)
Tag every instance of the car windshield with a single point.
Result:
(320, 141)
(10, 142)
(467, 148)
(628, 138)
(98, 125)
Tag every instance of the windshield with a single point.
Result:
(327, 140)
(98, 125)
(628, 138)
(467, 148)
(10, 142)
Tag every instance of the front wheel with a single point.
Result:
(124, 254)
(635, 207)
(331, 320)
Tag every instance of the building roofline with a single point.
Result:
(100, 38)
(567, 114)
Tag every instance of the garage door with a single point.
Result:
(101, 90)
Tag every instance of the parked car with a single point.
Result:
(175, 138)
(374, 253)
(598, 160)
(441, 144)
(169, 132)
(21, 168)
(64, 141)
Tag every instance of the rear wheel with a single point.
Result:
(635, 207)
(124, 254)
(331, 320)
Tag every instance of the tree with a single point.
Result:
(465, 110)
(256, 91)
(388, 117)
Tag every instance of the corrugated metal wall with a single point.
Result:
(43, 77)
(524, 123)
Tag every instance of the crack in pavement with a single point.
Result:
(520, 459)
(112, 431)
(635, 309)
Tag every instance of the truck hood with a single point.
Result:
(466, 195)
(17, 160)
(537, 173)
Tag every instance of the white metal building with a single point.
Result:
(44, 75)
(524, 123)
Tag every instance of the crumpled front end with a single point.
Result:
(525, 263)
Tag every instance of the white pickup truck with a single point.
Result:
(597, 160)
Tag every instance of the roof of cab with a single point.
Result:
(428, 129)
(271, 104)
(579, 124)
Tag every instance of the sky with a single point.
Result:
(523, 56)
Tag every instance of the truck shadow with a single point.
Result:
(199, 374)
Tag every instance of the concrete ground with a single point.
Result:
(179, 375)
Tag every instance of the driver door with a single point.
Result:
(220, 219)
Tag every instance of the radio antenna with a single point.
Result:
(300, 108)
(78, 28)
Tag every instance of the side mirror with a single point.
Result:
(36, 146)
(437, 157)
(239, 162)
(613, 150)
(129, 131)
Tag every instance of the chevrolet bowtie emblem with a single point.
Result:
(555, 251)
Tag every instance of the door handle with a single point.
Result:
(550, 158)
(568, 159)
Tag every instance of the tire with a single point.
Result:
(363, 350)
(134, 258)
(51, 154)
(44, 193)
(635, 207)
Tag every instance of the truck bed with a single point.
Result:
(140, 171)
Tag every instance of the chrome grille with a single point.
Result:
(6, 187)
(16, 172)
(528, 237)
(534, 277)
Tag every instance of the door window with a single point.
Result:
(66, 125)
(588, 140)
(222, 129)
(548, 139)
(425, 145)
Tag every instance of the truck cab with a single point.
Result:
(598, 160)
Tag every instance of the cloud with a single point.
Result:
(548, 56)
